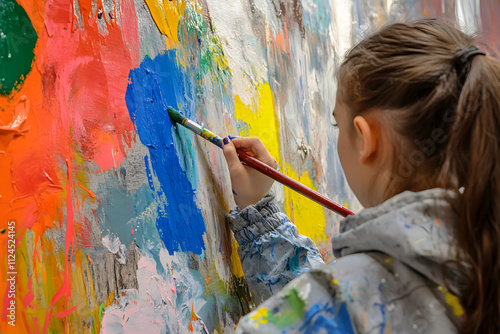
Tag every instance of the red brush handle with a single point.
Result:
(292, 184)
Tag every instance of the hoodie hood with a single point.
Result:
(413, 227)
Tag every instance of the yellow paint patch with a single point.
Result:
(388, 260)
(235, 260)
(260, 118)
(453, 301)
(261, 121)
(260, 316)
(166, 15)
(307, 215)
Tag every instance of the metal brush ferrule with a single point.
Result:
(193, 126)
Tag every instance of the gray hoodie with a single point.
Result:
(388, 276)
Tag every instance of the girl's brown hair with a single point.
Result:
(445, 112)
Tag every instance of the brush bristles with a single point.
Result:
(175, 115)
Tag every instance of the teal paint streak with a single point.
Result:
(317, 18)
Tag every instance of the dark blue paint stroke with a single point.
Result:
(319, 319)
(155, 85)
(382, 329)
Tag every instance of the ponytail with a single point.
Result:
(471, 156)
(414, 73)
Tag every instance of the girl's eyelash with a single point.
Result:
(335, 125)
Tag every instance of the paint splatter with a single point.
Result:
(453, 301)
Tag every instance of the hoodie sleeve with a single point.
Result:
(271, 250)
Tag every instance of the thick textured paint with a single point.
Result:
(154, 86)
(118, 212)
(263, 68)
(173, 293)
(17, 40)
(166, 15)
(69, 108)
(317, 16)
(308, 216)
(235, 260)
(259, 119)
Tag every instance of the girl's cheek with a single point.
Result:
(341, 150)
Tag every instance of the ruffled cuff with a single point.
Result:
(255, 220)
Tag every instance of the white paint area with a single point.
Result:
(161, 300)
(114, 245)
(468, 14)
(343, 25)
(242, 47)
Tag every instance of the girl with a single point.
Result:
(418, 111)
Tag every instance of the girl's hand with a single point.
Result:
(249, 185)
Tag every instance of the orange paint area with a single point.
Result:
(69, 111)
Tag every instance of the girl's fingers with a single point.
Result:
(231, 156)
(256, 148)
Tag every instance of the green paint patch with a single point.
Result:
(296, 304)
(17, 40)
(288, 315)
(101, 309)
(203, 48)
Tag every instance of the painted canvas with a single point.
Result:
(112, 218)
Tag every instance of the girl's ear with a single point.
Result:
(368, 136)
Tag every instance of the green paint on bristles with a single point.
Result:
(175, 115)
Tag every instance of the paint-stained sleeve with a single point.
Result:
(272, 252)
(309, 304)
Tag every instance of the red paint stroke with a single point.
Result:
(70, 108)
(28, 298)
(65, 313)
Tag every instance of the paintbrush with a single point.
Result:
(259, 165)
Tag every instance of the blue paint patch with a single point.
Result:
(155, 85)
(316, 322)
(382, 328)
(119, 207)
(317, 17)
(292, 263)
